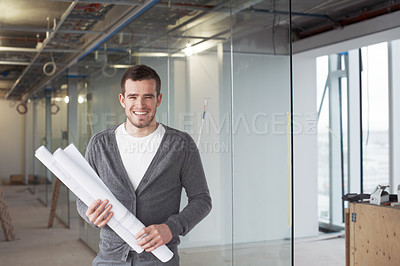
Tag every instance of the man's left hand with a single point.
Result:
(154, 236)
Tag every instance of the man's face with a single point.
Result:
(140, 102)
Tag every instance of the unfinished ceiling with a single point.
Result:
(40, 39)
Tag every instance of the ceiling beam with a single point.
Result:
(112, 2)
(35, 50)
(119, 23)
(45, 42)
(37, 30)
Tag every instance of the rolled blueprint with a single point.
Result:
(73, 170)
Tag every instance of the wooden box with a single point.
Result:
(372, 235)
(17, 180)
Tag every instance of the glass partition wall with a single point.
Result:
(261, 111)
(225, 73)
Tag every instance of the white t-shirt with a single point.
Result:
(137, 153)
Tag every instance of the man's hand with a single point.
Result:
(98, 213)
(154, 236)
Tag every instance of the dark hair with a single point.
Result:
(140, 72)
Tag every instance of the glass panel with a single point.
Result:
(158, 38)
(189, 45)
(59, 139)
(202, 80)
(41, 185)
(375, 117)
(261, 141)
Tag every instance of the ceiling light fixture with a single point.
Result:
(81, 99)
(120, 66)
(188, 50)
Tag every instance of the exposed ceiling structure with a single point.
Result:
(40, 39)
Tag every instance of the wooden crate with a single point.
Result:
(374, 235)
(17, 180)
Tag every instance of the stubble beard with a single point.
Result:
(141, 125)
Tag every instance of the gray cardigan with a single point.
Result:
(157, 199)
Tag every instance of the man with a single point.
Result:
(145, 165)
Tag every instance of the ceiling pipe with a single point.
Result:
(14, 63)
(130, 15)
(45, 42)
(18, 49)
(34, 50)
(117, 27)
(222, 11)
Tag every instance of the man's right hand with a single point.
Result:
(98, 213)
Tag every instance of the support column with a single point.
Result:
(394, 114)
(354, 129)
(34, 132)
(73, 127)
(335, 153)
(48, 138)
(73, 136)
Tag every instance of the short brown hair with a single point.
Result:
(141, 72)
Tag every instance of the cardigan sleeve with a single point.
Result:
(195, 184)
(80, 205)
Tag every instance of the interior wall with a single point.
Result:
(11, 126)
(305, 146)
(202, 82)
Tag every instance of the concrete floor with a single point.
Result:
(35, 244)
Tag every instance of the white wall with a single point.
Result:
(261, 190)
(203, 81)
(305, 147)
(11, 126)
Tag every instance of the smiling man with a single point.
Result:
(145, 165)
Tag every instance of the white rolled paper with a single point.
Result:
(74, 171)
